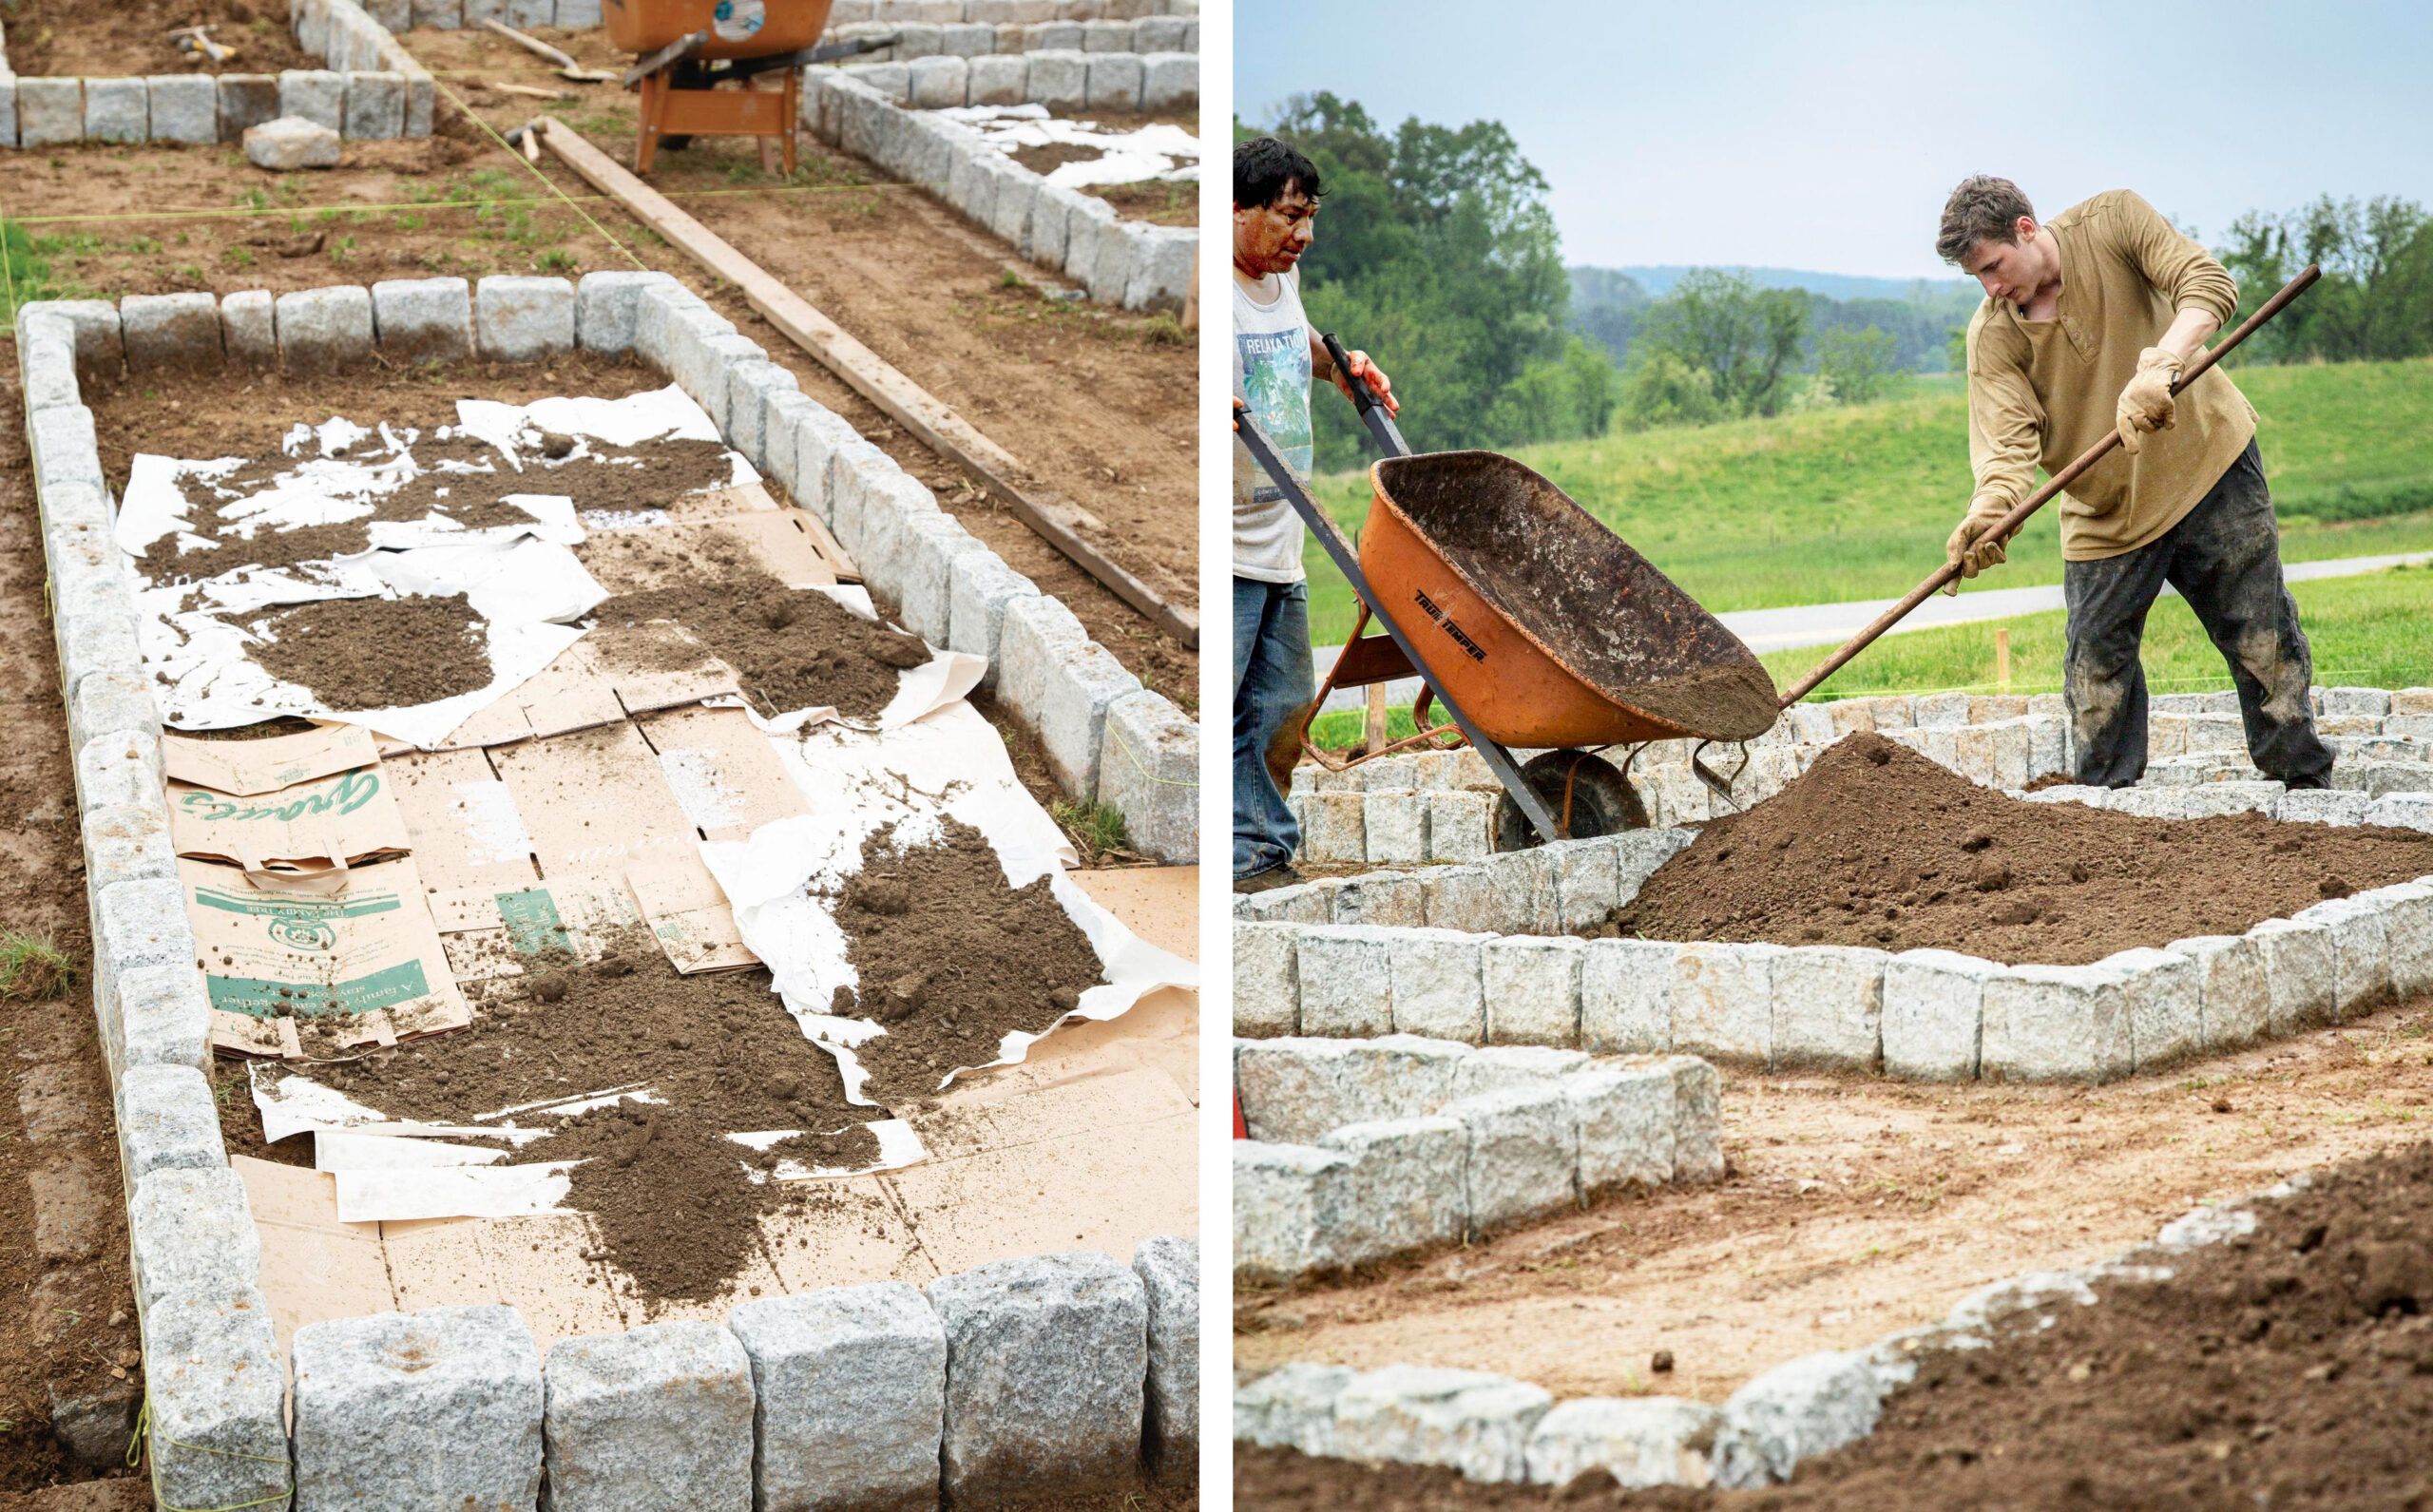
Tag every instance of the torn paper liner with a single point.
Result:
(780, 881)
(522, 580)
(389, 1171)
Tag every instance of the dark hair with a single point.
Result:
(1264, 168)
(1984, 208)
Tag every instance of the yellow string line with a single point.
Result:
(135, 1456)
(239, 213)
(534, 170)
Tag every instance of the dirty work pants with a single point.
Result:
(1272, 677)
(2225, 559)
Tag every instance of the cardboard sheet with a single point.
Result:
(358, 942)
(608, 675)
(595, 802)
(296, 804)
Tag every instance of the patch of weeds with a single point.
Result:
(190, 274)
(33, 970)
(1010, 279)
(557, 259)
(1164, 330)
(144, 246)
(407, 220)
(1096, 829)
(342, 250)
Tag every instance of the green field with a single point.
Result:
(2366, 631)
(1856, 503)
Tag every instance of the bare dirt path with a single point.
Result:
(1856, 1207)
(66, 1315)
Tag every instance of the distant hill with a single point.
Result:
(1918, 314)
(1658, 280)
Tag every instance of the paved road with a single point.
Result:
(1829, 625)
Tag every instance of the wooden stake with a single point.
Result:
(1378, 723)
(1057, 521)
(2002, 660)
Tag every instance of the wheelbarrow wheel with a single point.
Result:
(1603, 801)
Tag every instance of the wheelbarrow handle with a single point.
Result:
(2011, 521)
(1347, 561)
(1372, 413)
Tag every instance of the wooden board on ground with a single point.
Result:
(1057, 521)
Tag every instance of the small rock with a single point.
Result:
(1662, 1363)
(291, 143)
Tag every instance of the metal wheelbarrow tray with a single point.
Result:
(1531, 622)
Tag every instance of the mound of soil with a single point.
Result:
(2293, 1368)
(1877, 846)
(792, 648)
(377, 653)
(950, 958)
(675, 1200)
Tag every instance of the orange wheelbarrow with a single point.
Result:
(689, 47)
(1531, 625)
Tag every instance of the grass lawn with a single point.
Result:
(1855, 503)
(2369, 631)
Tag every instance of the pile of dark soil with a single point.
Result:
(2289, 1369)
(950, 958)
(673, 1197)
(63, 37)
(1877, 846)
(792, 648)
(676, 1205)
(377, 653)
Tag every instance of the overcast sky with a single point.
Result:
(1826, 136)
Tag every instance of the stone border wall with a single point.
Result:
(373, 89)
(1503, 973)
(1063, 80)
(218, 1405)
(980, 39)
(1494, 1428)
(1129, 263)
(1439, 806)
(1365, 1149)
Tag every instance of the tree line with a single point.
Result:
(1437, 253)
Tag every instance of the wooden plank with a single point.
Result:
(1057, 521)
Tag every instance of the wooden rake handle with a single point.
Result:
(2036, 501)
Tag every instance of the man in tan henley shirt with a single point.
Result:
(2088, 319)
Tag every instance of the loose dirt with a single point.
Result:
(247, 415)
(791, 648)
(678, 1208)
(67, 1315)
(1855, 1207)
(1877, 846)
(63, 37)
(376, 653)
(2291, 1368)
(951, 959)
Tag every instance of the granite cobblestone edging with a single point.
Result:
(1364, 1149)
(1494, 1428)
(372, 90)
(1470, 953)
(1130, 263)
(219, 1417)
(982, 39)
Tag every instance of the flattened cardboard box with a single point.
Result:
(299, 804)
(359, 943)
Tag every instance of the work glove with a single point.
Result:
(2145, 402)
(1970, 548)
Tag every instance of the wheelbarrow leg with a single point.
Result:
(1347, 561)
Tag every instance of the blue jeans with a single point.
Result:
(1272, 678)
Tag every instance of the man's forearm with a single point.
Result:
(2188, 333)
(1321, 365)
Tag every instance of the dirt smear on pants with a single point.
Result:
(793, 648)
(377, 653)
(1877, 846)
(951, 959)
(2290, 1368)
